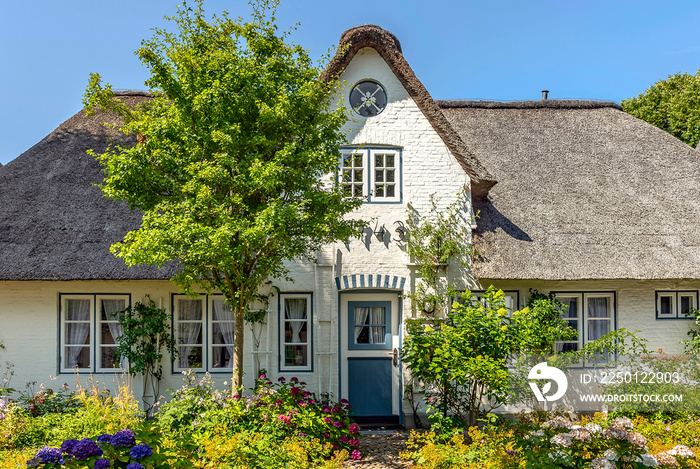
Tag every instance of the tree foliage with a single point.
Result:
(672, 105)
(233, 146)
(463, 359)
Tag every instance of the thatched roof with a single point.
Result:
(585, 191)
(54, 223)
(389, 48)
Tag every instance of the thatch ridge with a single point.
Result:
(389, 48)
(541, 104)
(54, 222)
(583, 193)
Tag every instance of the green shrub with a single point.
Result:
(280, 411)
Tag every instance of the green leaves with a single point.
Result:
(231, 151)
(672, 105)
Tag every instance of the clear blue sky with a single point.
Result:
(468, 49)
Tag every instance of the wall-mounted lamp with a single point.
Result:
(400, 230)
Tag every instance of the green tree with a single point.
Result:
(231, 156)
(672, 105)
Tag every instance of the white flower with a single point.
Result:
(623, 422)
(637, 439)
(682, 451)
(602, 463)
(611, 455)
(580, 434)
(649, 461)
(561, 439)
(665, 459)
(557, 422)
(594, 428)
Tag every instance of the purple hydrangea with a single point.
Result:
(135, 465)
(67, 446)
(123, 438)
(140, 452)
(86, 448)
(46, 455)
(104, 438)
(102, 464)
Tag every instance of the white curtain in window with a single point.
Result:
(361, 315)
(77, 332)
(189, 331)
(598, 308)
(109, 307)
(377, 332)
(222, 312)
(295, 308)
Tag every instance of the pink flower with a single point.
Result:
(295, 391)
(262, 376)
(326, 409)
(312, 402)
(279, 402)
(328, 420)
(354, 442)
(281, 379)
(305, 394)
(353, 429)
(343, 439)
(294, 379)
(344, 401)
(326, 435)
(335, 409)
(337, 424)
(668, 429)
(336, 446)
(355, 455)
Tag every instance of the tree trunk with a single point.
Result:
(238, 334)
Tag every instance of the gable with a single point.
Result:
(388, 48)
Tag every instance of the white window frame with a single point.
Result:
(95, 323)
(352, 152)
(207, 333)
(210, 331)
(583, 317)
(512, 298)
(676, 303)
(176, 331)
(369, 169)
(309, 332)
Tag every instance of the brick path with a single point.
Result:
(381, 451)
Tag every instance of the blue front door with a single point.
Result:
(371, 369)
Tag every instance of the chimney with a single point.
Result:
(544, 94)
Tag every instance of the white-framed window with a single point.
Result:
(372, 173)
(592, 315)
(88, 331)
(512, 298)
(674, 304)
(204, 333)
(296, 332)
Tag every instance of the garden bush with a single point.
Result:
(275, 412)
(600, 442)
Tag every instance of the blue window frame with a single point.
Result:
(673, 304)
(369, 325)
(374, 173)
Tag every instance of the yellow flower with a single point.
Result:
(428, 329)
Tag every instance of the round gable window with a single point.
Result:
(368, 98)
